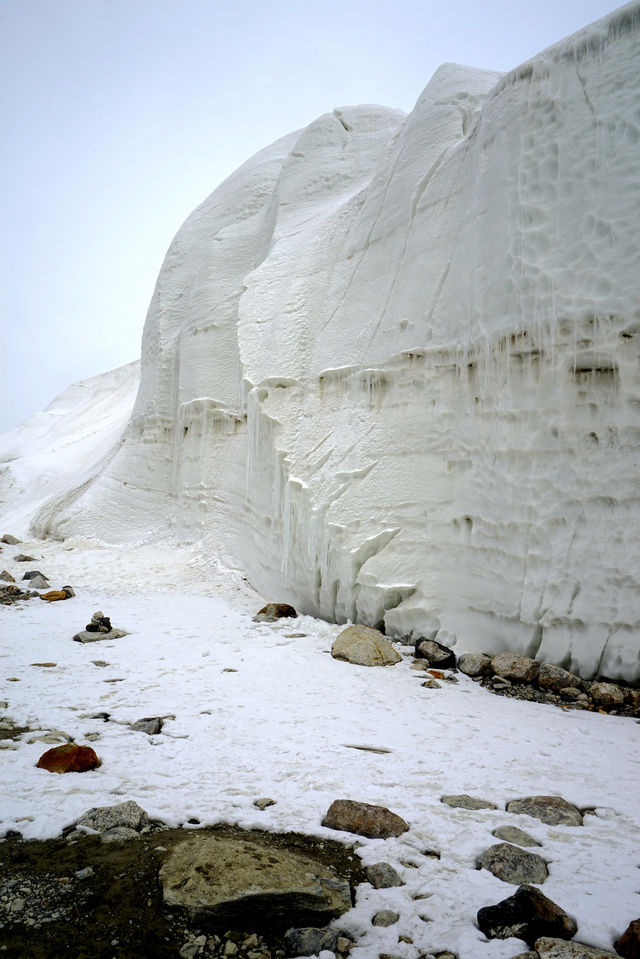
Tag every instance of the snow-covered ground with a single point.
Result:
(264, 710)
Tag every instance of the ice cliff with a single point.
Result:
(390, 366)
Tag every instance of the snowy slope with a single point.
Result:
(390, 367)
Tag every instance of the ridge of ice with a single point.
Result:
(390, 366)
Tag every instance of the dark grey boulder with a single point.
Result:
(528, 915)
(435, 653)
(553, 810)
(309, 941)
(513, 864)
(382, 875)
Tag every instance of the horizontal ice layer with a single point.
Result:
(391, 365)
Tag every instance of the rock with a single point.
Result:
(628, 945)
(385, 917)
(556, 678)
(382, 875)
(69, 758)
(87, 637)
(528, 915)
(515, 835)
(632, 698)
(516, 667)
(309, 941)
(33, 573)
(273, 611)
(573, 694)
(70, 591)
(21, 558)
(54, 595)
(435, 653)
(431, 684)
(251, 883)
(512, 864)
(463, 801)
(7, 577)
(548, 948)
(263, 803)
(606, 694)
(10, 540)
(364, 646)
(39, 582)
(474, 664)
(375, 822)
(553, 810)
(125, 814)
(151, 725)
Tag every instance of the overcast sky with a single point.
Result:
(120, 116)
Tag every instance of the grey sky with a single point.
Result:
(119, 116)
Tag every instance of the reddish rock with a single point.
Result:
(69, 759)
(628, 945)
(54, 595)
(375, 822)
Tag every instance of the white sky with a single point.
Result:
(120, 116)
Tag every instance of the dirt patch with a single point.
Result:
(90, 899)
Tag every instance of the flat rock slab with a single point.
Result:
(463, 801)
(547, 948)
(364, 819)
(515, 835)
(125, 814)
(553, 810)
(84, 636)
(364, 646)
(251, 882)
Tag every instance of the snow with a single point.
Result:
(389, 374)
(264, 710)
(390, 366)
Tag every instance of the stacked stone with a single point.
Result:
(99, 623)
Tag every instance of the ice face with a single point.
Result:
(391, 365)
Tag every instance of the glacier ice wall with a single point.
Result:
(390, 366)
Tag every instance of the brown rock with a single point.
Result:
(69, 759)
(549, 948)
(475, 664)
(277, 611)
(606, 694)
(375, 822)
(54, 595)
(7, 577)
(556, 678)
(528, 915)
(628, 945)
(516, 667)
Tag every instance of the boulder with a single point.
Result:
(364, 646)
(274, 611)
(555, 678)
(528, 915)
(69, 758)
(382, 875)
(463, 801)
(515, 835)
(512, 864)
(10, 540)
(385, 917)
(375, 822)
(7, 577)
(435, 653)
(125, 814)
(515, 667)
(553, 810)
(606, 694)
(22, 558)
(474, 664)
(628, 945)
(151, 725)
(549, 948)
(33, 573)
(309, 941)
(251, 883)
(39, 582)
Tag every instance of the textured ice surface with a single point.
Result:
(390, 366)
